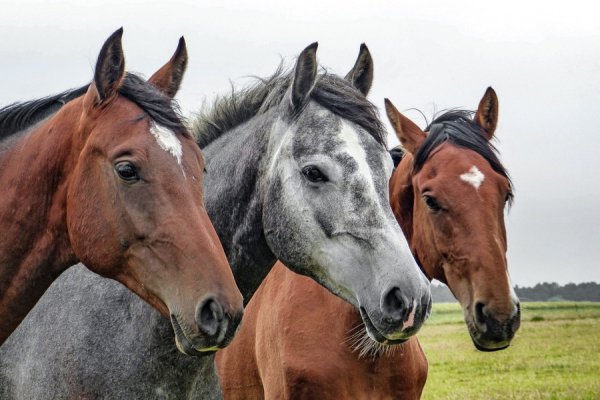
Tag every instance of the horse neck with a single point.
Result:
(236, 164)
(34, 248)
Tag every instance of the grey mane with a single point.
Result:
(330, 91)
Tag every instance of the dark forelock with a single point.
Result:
(160, 108)
(458, 128)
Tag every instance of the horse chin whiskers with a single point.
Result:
(360, 342)
(181, 330)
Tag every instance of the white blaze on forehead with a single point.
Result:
(167, 140)
(355, 149)
(474, 177)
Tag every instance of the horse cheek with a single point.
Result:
(92, 233)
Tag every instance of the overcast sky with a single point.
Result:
(541, 57)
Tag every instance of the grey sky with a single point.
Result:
(542, 58)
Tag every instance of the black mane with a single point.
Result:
(458, 128)
(19, 116)
(161, 109)
(330, 91)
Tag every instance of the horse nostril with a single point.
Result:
(393, 305)
(209, 316)
(515, 320)
(480, 316)
(516, 313)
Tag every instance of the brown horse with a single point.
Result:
(113, 179)
(448, 193)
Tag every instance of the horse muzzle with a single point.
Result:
(490, 334)
(215, 329)
(398, 319)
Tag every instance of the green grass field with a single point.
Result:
(555, 355)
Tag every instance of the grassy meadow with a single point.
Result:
(555, 355)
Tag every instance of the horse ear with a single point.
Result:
(487, 113)
(305, 75)
(168, 78)
(409, 134)
(361, 75)
(110, 68)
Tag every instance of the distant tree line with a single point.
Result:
(588, 291)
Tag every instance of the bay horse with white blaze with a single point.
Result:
(448, 193)
(297, 169)
(113, 179)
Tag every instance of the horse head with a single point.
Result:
(135, 208)
(449, 194)
(326, 207)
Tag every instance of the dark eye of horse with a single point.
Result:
(127, 171)
(313, 174)
(432, 203)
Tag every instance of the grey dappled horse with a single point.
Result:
(297, 170)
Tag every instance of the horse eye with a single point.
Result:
(313, 174)
(432, 203)
(127, 171)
